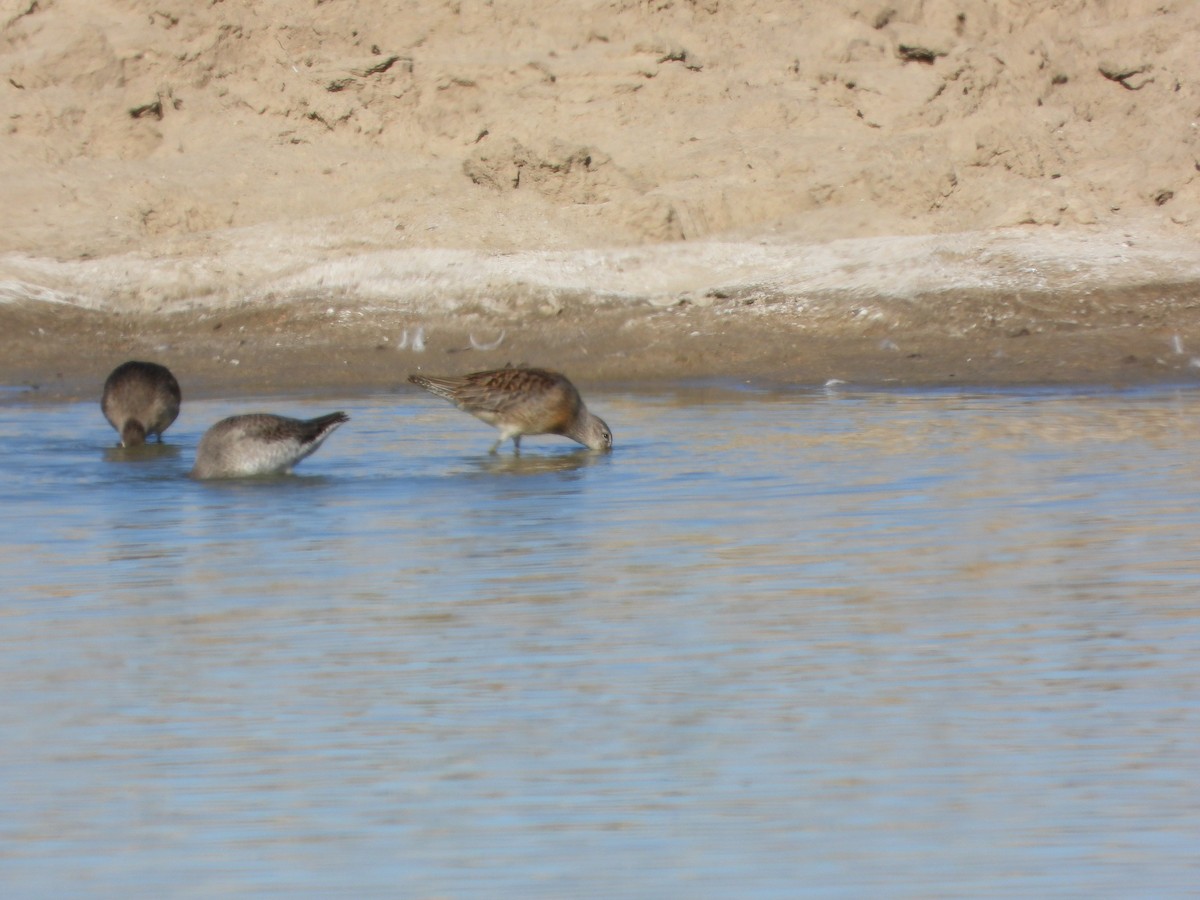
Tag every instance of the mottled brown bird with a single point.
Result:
(520, 402)
(260, 444)
(140, 399)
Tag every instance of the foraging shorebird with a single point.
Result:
(520, 402)
(140, 399)
(260, 444)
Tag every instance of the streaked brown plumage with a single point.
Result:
(260, 444)
(140, 399)
(520, 402)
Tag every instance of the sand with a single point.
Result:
(270, 197)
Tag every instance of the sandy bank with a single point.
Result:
(906, 191)
(1010, 307)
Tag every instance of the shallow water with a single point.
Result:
(778, 644)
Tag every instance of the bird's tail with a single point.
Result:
(319, 428)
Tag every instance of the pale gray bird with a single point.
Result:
(520, 402)
(140, 399)
(260, 444)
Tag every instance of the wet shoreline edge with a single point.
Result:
(1145, 335)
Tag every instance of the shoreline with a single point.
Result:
(1007, 307)
(1119, 339)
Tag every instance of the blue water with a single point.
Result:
(778, 644)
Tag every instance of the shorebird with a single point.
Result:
(260, 444)
(140, 399)
(521, 402)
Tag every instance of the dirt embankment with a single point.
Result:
(168, 167)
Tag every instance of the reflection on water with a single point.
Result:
(776, 644)
(539, 464)
(141, 453)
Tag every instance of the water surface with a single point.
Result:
(778, 644)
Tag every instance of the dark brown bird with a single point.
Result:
(140, 399)
(520, 402)
(260, 444)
